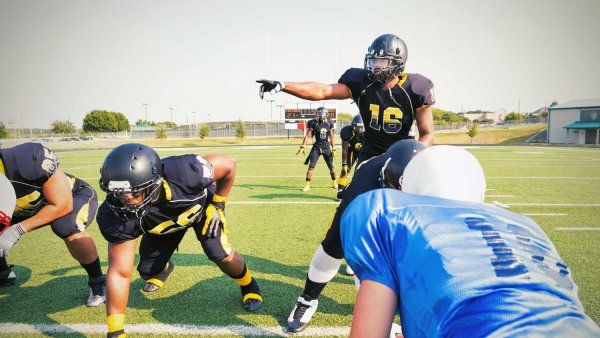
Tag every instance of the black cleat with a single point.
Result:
(158, 281)
(7, 277)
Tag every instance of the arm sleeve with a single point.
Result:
(355, 79)
(367, 242)
(423, 89)
(36, 163)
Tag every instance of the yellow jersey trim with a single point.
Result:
(403, 78)
(168, 193)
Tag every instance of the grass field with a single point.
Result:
(558, 186)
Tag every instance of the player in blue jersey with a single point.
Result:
(451, 266)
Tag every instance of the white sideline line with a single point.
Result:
(544, 177)
(178, 329)
(282, 202)
(504, 196)
(546, 214)
(578, 229)
(555, 204)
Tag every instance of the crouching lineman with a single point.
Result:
(379, 172)
(46, 195)
(159, 200)
(352, 139)
(322, 128)
(451, 266)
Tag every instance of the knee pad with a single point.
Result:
(323, 267)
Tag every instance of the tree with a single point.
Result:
(513, 117)
(63, 127)
(161, 131)
(445, 117)
(204, 131)
(105, 121)
(472, 132)
(240, 130)
(344, 117)
(3, 131)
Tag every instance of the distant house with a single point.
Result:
(575, 122)
(496, 116)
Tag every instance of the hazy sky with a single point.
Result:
(61, 59)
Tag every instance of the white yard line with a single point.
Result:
(577, 229)
(500, 196)
(173, 329)
(554, 204)
(502, 205)
(283, 202)
(544, 177)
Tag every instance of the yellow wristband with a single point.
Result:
(115, 322)
(218, 198)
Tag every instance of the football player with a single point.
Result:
(390, 101)
(452, 266)
(46, 195)
(322, 128)
(379, 172)
(352, 139)
(160, 200)
(7, 203)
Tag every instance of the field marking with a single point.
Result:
(500, 196)
(283, 202)
(544, 177)
(173, 329)
(546, 214)
(554, 204)
(577, 229)
(502, 205)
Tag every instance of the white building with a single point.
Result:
(575, 122)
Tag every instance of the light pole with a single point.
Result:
(145, 109)
(271, 102)
(280, 105)
(208, 117)
(194, 113)
(171, 108)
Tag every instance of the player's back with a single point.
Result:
(465, 269)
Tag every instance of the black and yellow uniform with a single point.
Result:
(355, 141)
(321, 131)
(186, 182)
(388, 114)
(28, 166)
(367, 177)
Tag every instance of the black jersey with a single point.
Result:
(388, 114)
(28, 166)
(186, 180)
(354, 139)
(321, 132)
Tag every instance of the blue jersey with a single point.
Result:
(462, 269)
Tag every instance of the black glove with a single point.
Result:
(269, 86)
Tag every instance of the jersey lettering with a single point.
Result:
(183, 221)
(391, 123)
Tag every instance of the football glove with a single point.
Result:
(10, 237)
(345, 170)
(215, 217)
(302, 150)
(268, 86)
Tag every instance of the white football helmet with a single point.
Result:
(445, 172)
(7, 200)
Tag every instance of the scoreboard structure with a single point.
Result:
(300, 114)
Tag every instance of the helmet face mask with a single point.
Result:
(358, 125)
(131, 202)
(386, 58)
(398, 156)
(321, 114)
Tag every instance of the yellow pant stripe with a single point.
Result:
(156, 282)
(252, 296)
(115, 322)
(2, 171)
(244, 280)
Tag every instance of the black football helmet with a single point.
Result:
(134, 169)
(358, 125)
(321, 113)
(398, 156)
(386, 58)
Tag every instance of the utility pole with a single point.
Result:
(171, 108)
(208, 117)
(145, 109)
(280, 105)
(271, 102)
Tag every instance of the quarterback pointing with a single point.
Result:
(160, 200)
(390, 101)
